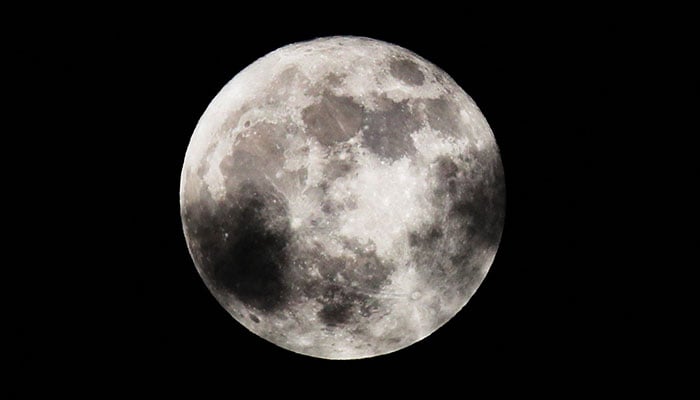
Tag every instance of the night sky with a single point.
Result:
(563, 96)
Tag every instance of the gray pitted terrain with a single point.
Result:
(342, 198)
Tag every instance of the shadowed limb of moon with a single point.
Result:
(342, 198)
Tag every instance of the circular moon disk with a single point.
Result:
(342, 198)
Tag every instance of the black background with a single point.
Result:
(563, 91)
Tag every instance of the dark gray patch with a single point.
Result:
(248, 264)
(407, 71)
(444, 115)
(447, 169)
(366, 269)
(328, 207)
(339, 305)
(448, 178)
(345, 285)
(286, 77)
(369, 306)
(337, 168)
(280, 87)
(258, 152)
(254, 318)
(474, 202)
(427, 238)
(331, 80)
(331, 267)
(335, 80)
(388, 129)
(335, 314)
(334, 119)
(239, 164)
(480, 204)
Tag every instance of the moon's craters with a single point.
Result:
(342, 198)
(407, 71)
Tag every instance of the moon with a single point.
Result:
(342, 198)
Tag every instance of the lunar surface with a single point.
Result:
(342, 198)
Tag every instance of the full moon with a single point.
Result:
(342, 198)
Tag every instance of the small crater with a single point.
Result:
(246, 124)
(327, 207)
(254, 318)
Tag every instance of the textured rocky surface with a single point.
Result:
(342, 198)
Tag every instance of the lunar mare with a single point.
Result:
(342, 198)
